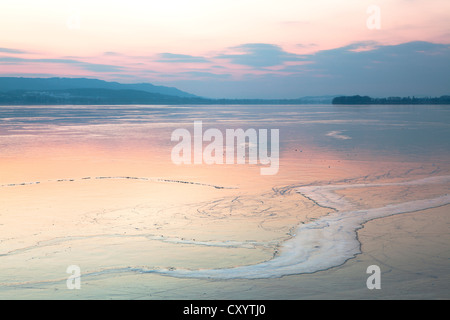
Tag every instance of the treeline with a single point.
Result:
(391, 100)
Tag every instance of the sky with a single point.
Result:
(235, 48)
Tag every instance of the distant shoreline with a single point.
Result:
(83, 91)
(365, 100)
(136, 97)
(89, 96)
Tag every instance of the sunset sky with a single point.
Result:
(235, 48)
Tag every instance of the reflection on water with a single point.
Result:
(94, 186)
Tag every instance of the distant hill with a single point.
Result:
(354, 100)
(60, 91)
(51, 84)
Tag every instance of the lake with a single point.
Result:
(93, 205)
